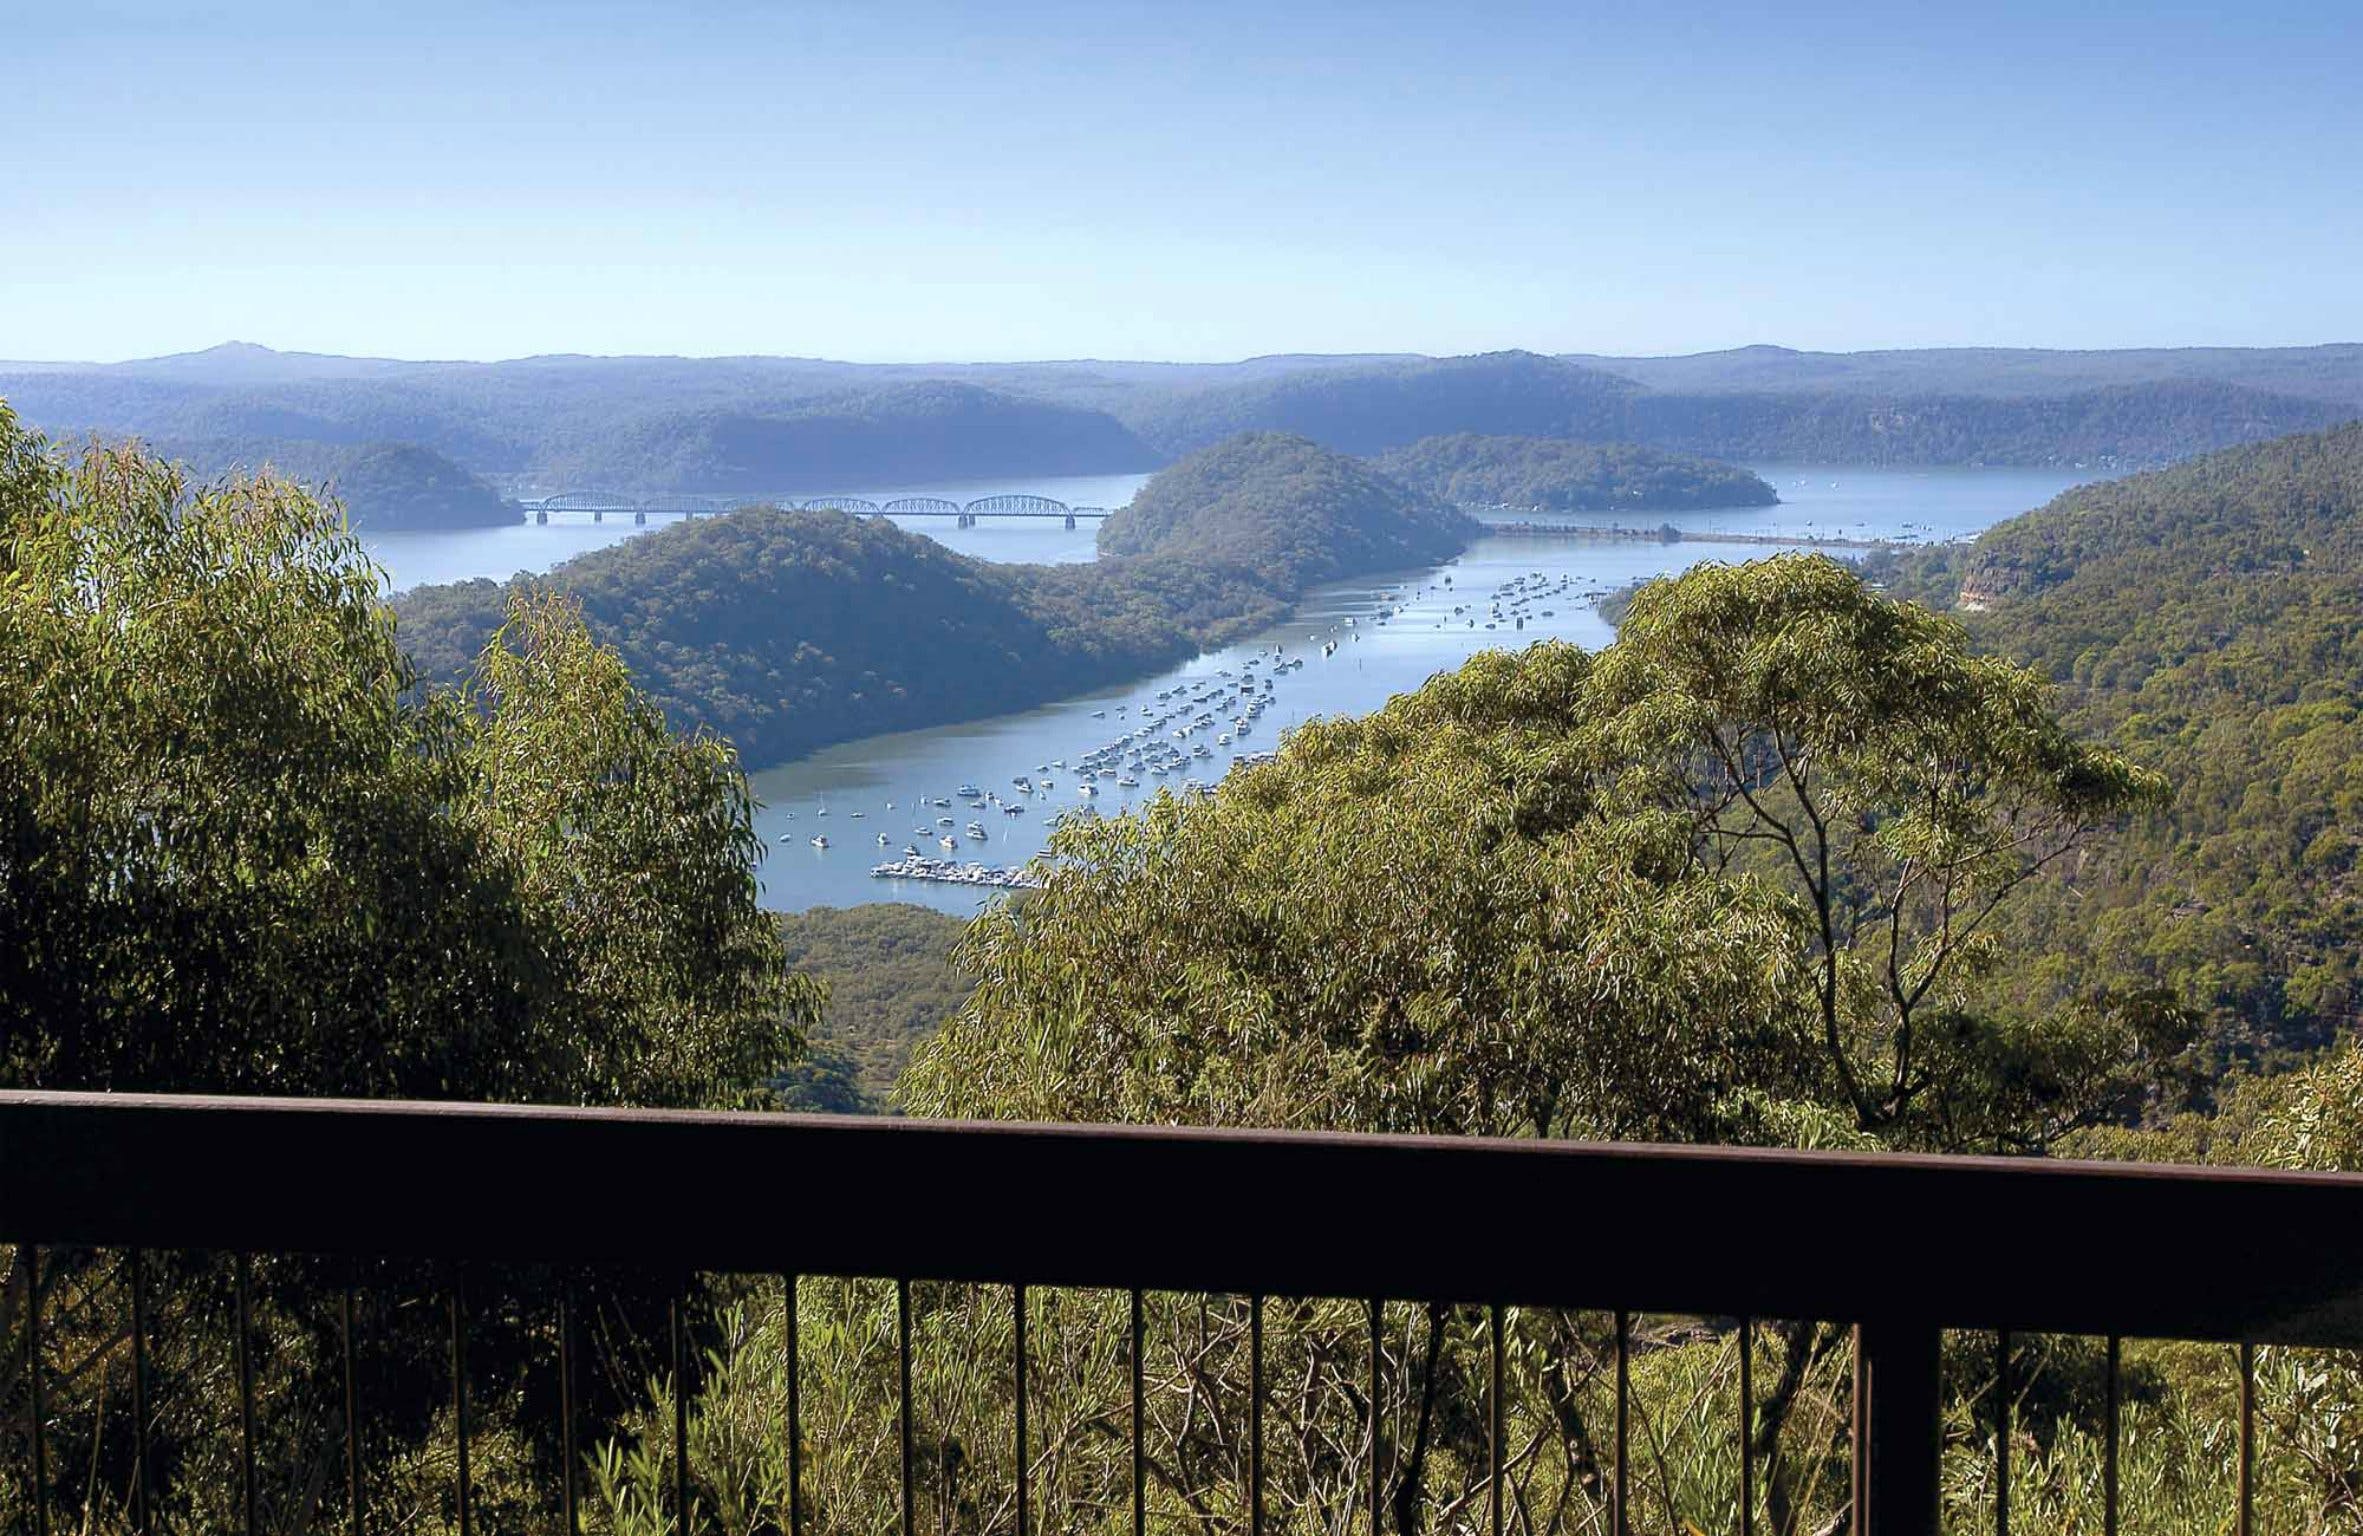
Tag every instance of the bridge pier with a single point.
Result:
(598, 516)
(541, 516)
(640, 517)
(1070, 519)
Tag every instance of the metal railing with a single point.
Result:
(1908, 1246)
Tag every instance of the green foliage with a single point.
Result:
(240, 851)
(2203, 620)
(789, 630)
(1792, 720)
(1741, 859)
(1431, 1410)
(1280, 504)
(1555, 475)
(888, 970)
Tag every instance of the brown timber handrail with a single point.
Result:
(1904, 1246)
(1961, 1242)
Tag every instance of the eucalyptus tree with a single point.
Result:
(242, 850)
(1902, 787)
(1728, 880)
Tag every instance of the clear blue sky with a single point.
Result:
(887, 181)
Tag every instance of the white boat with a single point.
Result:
(820, 842)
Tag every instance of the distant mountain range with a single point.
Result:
(777, 425)
(2333, 372)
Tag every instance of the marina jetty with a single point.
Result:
(953, 872)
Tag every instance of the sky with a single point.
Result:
(904, 181)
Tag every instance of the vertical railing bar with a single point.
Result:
(1747, 1426)
(1255, 1415)
(1017, 1298)
(2108, 1464)
(566, 1428)
(1493, 1424)
(28, 1256)
(139, 1392)
(245, 1321)
(1377, 1344)
(1858, 1437)
(1140, 1460)
(1622, 1523)
(2002, 1432)
(2247, 1525)
(795, 1336)
(457, 1300)
(902, 1314)
(681, 1406)
(346, 1351)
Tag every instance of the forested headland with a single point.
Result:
(788, 630)
(2207, 621)
(902, 435)
(1548, 474)
(383, 487)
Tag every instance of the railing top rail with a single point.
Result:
(1960, 1241)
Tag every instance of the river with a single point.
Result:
(462, 554)
(875, 786)
(1372, 662)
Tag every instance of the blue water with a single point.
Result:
(462, 554)
(1372, 662)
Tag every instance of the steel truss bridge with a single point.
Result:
(603, 504)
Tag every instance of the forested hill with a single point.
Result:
(2208, 619)
(778, 425)
(789, 630)
(2333, 372)
(1280, 503)
(902, 435)
(1367, 410)
(1555, 475)
(1364, 410)
(645, 424)
(383, 486)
